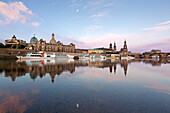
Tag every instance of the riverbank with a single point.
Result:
(8, 53)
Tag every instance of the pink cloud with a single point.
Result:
(154, 38)
(159, 28)
(104, 41)
(15, 12)
(136, 42)
(167, 22)
(163, 45)
(35, 24)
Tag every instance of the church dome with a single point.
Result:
(58, 42)
(34, 39)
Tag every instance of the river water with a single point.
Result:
(86, 86)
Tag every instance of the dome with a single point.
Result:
(58, 42)
(34, 39)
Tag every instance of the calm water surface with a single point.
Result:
(85, 86)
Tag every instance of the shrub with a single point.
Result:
(7, 46)
(1, 45)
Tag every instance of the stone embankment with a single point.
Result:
(8, 53)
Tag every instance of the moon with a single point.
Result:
(77, 10)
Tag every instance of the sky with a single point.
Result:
(144, 24)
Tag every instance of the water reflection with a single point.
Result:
(16, 103)
(55, 68)
(95, 85)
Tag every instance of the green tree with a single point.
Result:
(7, 46)
(14, 46)
(1, 45)
(21, 46)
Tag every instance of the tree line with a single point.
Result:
(12, 46)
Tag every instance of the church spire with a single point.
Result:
(125, 45)
(110, 47)
(114, 46)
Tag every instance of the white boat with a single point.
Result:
(61, 56)
(102, 57)
(127, 57)
(85, 57)
(94, 56)
(70, 56)
(155, 57)
(37, 55)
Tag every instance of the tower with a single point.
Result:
(125, 45)
(53, 36)
(52, 41)
(114, 47)
(110, 47)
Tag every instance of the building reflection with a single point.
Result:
(40, 69)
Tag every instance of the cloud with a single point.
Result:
(104, 41)
(97, 15)
(91, 4)
(159, 27)
(94, 27)
(163, 45)
(35, 23)
(95, 4)
(163, 23)
(14, 12)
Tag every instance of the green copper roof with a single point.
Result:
(34, 39)
(58, 42)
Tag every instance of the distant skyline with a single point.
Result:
(145, 24)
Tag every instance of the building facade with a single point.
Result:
(53, 46)
(111, 50)
(14, 41)
(124, 51)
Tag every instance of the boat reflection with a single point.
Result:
(54, 68)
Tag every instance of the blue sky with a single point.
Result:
(145, 24)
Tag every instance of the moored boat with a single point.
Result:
(37, 55)
(127, 57)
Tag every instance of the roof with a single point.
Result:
(34, 39)
(49, 44)
(155, 50)
(100, 49)
(66, 45)
(58, 42)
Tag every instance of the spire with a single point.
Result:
(125, 45)
(110, 47)
(34, 35)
